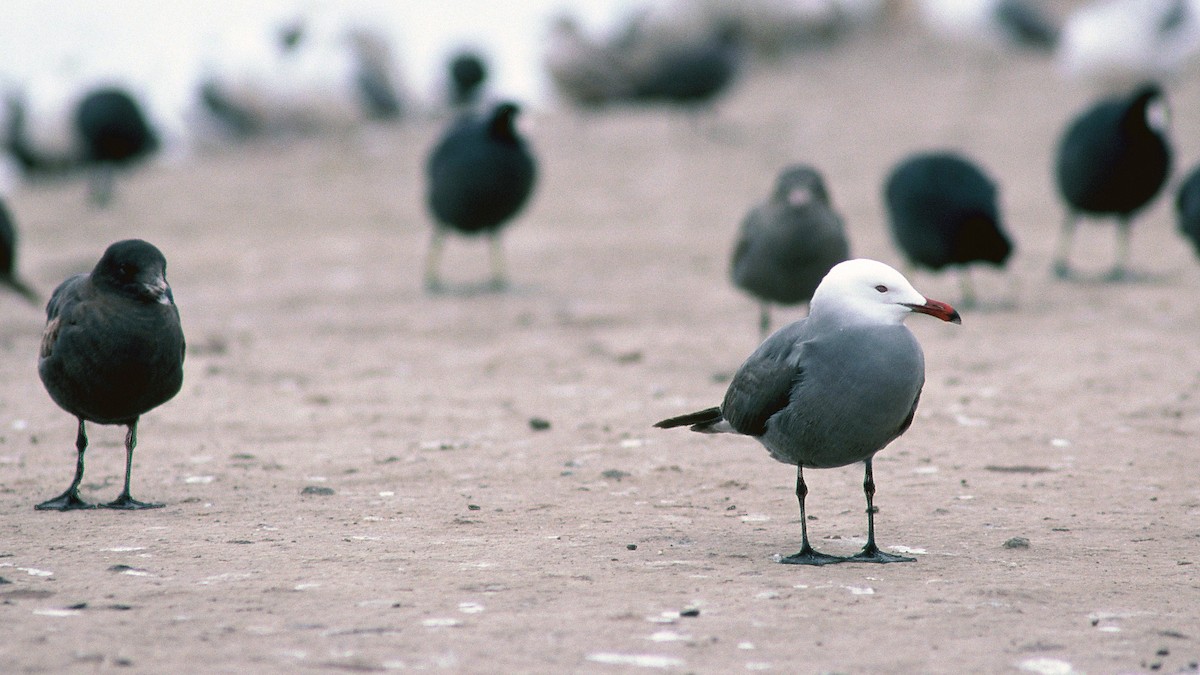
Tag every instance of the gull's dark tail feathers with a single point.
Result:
(702, 421)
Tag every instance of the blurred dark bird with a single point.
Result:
(375, 76)
(468, 73)
(8, 258)
(788, 243)
(943, 213)
(313, 73)
(1001, 24)
(585, 71)
(1187, 208)
(115, 134)
(112, 350)
(686, 70)
(1112, 161)
(479, 174)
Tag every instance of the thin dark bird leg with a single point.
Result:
(1062, 268)
(101, 186)
(433, 282)
(499, 274)
(871, 552)
(124, 500)
(70, 500)
(806, 555)
(764, 320)
(1119, 269)
(967, 286)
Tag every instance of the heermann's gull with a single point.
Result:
(115, 134)
(480, 174)
(1113, 159)
(8, 257)
(112, 350)
(943, 213)
(833, 388)
(789, 242)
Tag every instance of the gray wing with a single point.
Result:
(763, 385)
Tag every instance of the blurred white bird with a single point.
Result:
(1117, 43)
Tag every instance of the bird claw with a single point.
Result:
(807, 556)
(1062, 270)
(871, 554)
(67, 501)
(127, 503)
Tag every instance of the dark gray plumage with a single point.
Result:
(685, 72)
(1026, 25)
(1113, 159)
(833, 388)
(468, 73)
(789, 242)
(943, 212)
(8, 257)
(115, 134)
(480, 175)
(112, 350)
(1187, 208)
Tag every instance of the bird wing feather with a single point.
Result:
(763, 385)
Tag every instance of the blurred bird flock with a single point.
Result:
(94, 90)
(91, 91)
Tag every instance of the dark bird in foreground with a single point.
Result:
(112, 350)
(833, 388)
(115, 134)
(1112, 161)
(1187, 208)
(943, 213)
(480, 175)
(8, 258)
(788, 243)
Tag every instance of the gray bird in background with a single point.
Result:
(788, 243)
(833, 388)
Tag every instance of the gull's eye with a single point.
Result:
(881, 288)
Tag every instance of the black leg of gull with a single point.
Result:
(806, 555)
(764, 320)
(124, 500)
(871, 552)
(70, 500)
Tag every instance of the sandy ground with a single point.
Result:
(454, 536)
